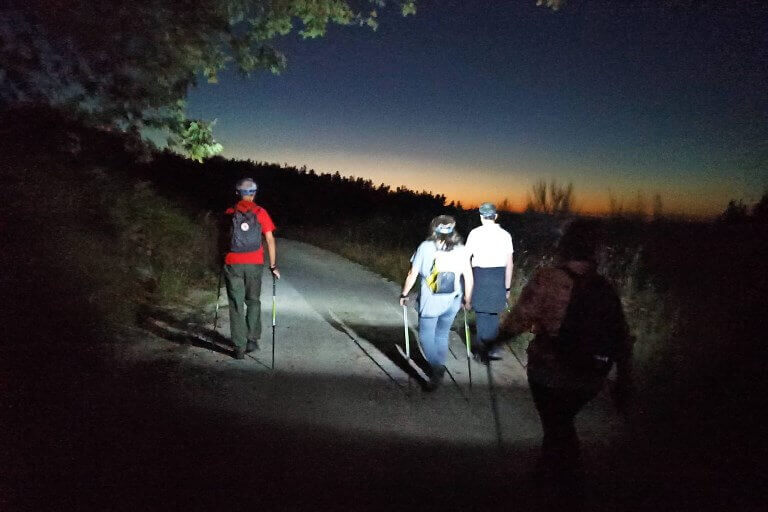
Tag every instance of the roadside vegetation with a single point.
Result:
(83, 234)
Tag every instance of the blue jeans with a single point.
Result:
(434, 331)
(487, 326)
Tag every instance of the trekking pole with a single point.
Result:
(218, 298)
(458, 388)
(407, 341)
(274, 316)
(516, 356)
(494, 404)
(469, 350)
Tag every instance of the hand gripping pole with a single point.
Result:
(469, 349)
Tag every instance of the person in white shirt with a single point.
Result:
(489, 247)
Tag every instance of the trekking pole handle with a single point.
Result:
(467, 335)
(407, 333)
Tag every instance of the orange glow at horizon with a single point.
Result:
(472, 186)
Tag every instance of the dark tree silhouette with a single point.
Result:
(760, 210)
(735, 212)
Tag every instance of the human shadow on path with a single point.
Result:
(389, 340)
(383, 343)
(171, 328)
(187, 332)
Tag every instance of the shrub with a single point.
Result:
(81, 225)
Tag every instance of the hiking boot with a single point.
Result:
(239, 353)
(252, 345)
(496, 354)
(481, 355)
(486, 353)
(436, 378)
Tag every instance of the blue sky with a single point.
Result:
(478, 100)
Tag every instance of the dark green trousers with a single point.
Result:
(244, 294)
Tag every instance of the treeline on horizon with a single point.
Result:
(375, 225)
(368, 222)
(302, 198)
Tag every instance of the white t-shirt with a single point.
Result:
(489, 245)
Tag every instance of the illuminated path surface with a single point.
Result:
(324, 379)
(327, 429)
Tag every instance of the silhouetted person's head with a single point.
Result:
(246, 189)
(580, 241)
(488, 213)
(442, 230)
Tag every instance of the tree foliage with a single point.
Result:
(197, 140)
(738, 213)
(131, 64)
(735, 212)
(760, 209)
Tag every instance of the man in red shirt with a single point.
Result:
(247, 223)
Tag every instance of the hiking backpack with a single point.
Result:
(246, 232)
(441, 280)
(594, 329)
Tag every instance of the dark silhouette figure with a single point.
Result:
(581, 332)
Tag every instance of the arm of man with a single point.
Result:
(272, 250)
(268, 228)
(469, 285)
(520, 318)
(470, 245)
(508, 274)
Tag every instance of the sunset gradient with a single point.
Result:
(481, 112)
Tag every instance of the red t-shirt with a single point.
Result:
(267, 226)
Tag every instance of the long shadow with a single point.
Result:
(184, 331)
(385, 339)
(345, 329)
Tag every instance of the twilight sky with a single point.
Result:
(478, 100)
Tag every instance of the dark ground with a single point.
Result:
(80, 437)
